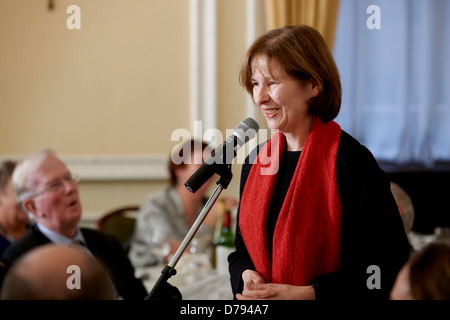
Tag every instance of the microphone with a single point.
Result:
(224, 154)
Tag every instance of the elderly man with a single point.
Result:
(47, 189)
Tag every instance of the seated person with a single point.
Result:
(47, 189)
(47, 273)
(426, 274)
(166, 216)
(405, 206)
(13, 220)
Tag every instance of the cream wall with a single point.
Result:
(107, 88)
(115, 89)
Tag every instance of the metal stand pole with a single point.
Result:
(169, 270)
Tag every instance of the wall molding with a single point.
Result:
(254, 27)
(114, 168)
(119, 168)
(203, 63)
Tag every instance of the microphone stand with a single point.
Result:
(169, 270)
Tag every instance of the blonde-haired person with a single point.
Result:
(314, 228)
(405, 206)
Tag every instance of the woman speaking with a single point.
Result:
(316, 219)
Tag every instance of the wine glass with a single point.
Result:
(161, 248)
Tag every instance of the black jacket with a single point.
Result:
(372, 230)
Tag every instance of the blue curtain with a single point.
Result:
(396, 80)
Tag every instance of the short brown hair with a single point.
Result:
(304, 55)
(191, 145)
(429, 273)
(6, 171)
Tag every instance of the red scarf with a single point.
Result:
(307, 236)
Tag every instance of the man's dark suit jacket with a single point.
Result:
(102, 245)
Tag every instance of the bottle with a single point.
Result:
(217, 231)
(225, 244)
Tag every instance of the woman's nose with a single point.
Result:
(261, 95)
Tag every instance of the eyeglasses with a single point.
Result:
(58, 184)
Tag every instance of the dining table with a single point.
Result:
(195, 278)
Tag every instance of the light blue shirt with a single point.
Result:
(59, 238)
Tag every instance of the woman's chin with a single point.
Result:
(273, 125)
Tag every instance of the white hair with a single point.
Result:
(22, 171)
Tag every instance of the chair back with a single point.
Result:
(120, 223)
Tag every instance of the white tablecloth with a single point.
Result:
(195, 279)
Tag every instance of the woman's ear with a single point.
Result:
(179, 173)
(314, 87)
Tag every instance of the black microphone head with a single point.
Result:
(223, 155)
(246, 130)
